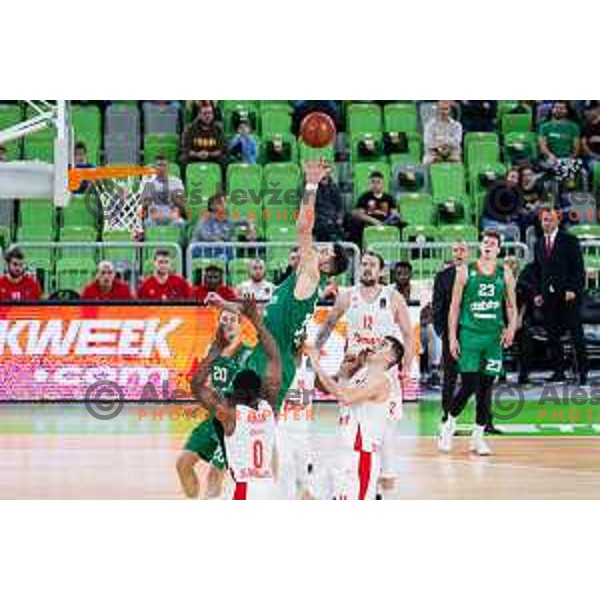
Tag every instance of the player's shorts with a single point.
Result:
(205, 442)
(255, 489)
(480, 353)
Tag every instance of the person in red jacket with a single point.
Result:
(17, 285)
(213, 284)
(106, 286)
(164, 285)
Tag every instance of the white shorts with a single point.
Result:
(358, 469)
(266, 489)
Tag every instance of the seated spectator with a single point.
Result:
(81, 162)
(293, 260)
(478, 115)
(590, 137)
(163, 201)
(212, 289)
(442, 136)
(203, 139)
(257, 285)
(401, 279)
(329, 210)
(163, 285)
(559, 136)
(218, 227)
(502, 206)
(17, 285)
(106, 286)
(374, 207)
(243, 146)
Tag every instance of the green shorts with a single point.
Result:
(206, 443)
(480, 353)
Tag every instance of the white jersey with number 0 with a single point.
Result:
(251, 451)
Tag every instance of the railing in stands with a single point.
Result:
(233, 257)
(429, 257)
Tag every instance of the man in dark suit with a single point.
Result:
(560, 279)
(442, 296)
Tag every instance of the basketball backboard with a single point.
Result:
(37, 179)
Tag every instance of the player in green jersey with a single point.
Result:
(204, 444)
(293, 301)
(482, 291)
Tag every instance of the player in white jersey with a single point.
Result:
(246, 416)
(372, 312)
(365, 397)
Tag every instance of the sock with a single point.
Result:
(451, 422)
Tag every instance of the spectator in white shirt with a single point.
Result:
(257, 285)
(163, 198)
(443, 136)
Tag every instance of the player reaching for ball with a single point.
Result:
(204, 444)
(244, 415)
(293, 301)
(365, 398)
(480, 291)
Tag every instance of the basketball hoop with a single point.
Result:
(115, 192)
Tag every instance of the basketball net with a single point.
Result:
(118, 190)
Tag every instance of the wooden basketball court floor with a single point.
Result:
(62, 452)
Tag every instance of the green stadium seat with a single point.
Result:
(590, 232)
(87, 123)
(482, 152)
(308, 153)
(275, 120)
(37, 215)
(281, 184)
(516, 122)
(520, 145)
(122, 257)
(39, 145)
(202, 180)
(376, 138)
(244, 192)
(285, 138)
(5, 236)
(363, 118)
(84, 236)
(237, 271)
(596, 178)
(11, 114)
(382, 239)
(77, 214)
(282, 238)
(477, 189)
(421, 234)
(163, 237)
(247, 107)
(400, 117)
(416, 209)
(156, 144)
(415, 151)
(452, 233)
(74, 273)
(448, 185)
(362, 172)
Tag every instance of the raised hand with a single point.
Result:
(250, 310)
(314, 171)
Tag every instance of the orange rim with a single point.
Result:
(78, 176)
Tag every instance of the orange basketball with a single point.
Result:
(317, 130)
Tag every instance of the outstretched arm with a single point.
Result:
(203, 394)
(335, 314)
(308, 267)
(271, 384)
